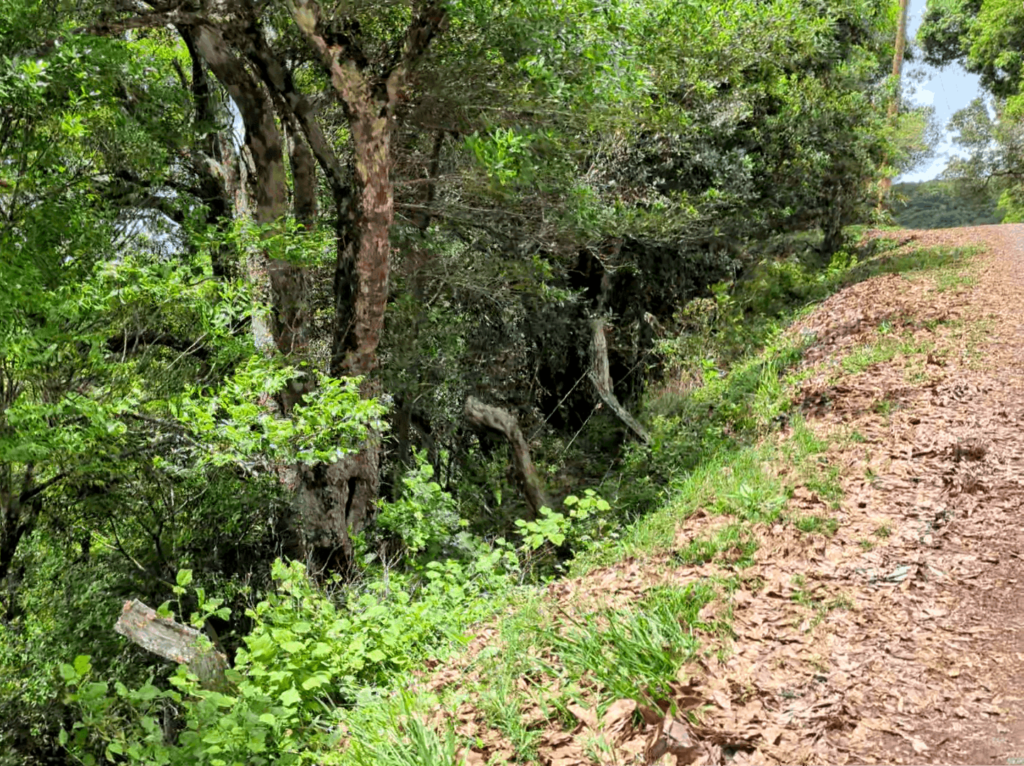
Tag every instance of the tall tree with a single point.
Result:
(987, 37)
(897, 74)
(335, 500)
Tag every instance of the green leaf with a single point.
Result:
(376, 655)
(82, 664)
(184, 577)
(268, 718)
(313, 682)
(290, 697)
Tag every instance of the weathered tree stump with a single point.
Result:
(183, 644)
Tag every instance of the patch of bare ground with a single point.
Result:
(897, 639)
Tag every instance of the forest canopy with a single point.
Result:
(942, 205)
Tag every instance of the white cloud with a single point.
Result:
(925, 97)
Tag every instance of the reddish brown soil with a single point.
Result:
(920, 657)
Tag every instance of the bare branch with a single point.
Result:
(502, 421)
(130, 343)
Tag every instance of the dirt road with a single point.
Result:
(929, 665)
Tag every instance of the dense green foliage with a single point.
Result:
(941, 205)
(987, 37)
(179, 383)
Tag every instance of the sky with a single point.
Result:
(949, 89)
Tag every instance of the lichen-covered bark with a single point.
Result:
(331, 501)
(213, 166)
(339, 500)
(304, 197)
(173, 641)
(364, 250)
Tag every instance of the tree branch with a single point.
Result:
(148, 21)
(496, 419)
(430, 19)
(279, 81)
(123, 344)
(173, 641)
(600, 376)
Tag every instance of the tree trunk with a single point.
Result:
(897, 72)
(332, 501)
(214, 163)
(364, 248)
(503, 422)
(280, 285)
(336, 500)
(304, 194)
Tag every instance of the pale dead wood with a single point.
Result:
(600, 374)
(505, 423)
(171, 640)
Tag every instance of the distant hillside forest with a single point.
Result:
(939, 205)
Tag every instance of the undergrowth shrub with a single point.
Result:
(312, 656)
(424, 518)
(307, 659)
(728, 362)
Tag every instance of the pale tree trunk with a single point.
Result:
(600, 376)
(332, 501)
(280, 285)
(897, 72)
(304, 191)
(216, 163)
(322, 493)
